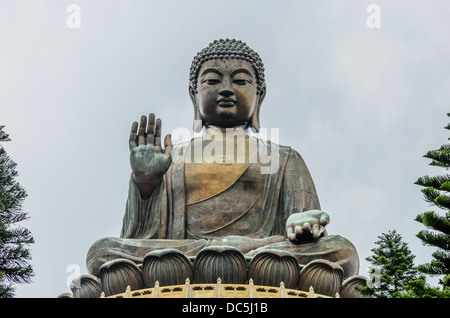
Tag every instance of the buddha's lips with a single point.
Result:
(226, 102)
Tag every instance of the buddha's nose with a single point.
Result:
(226, 88)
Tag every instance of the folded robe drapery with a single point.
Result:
(251, 223)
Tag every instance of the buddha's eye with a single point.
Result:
(241, 81)
(211, 81)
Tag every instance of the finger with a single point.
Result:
(316, 230)
(306, 227)
(168, 144)
(133, 134)
(324, 220)
(298, 229)
(290, 233)
(141, 136)
(158, 133)
(151, 129)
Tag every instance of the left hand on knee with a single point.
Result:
(311, 222)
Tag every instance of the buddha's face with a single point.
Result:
(226, 93)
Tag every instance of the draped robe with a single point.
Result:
(250, 214)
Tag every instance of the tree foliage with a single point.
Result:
(14, 239)
(436, 191)
(395, 262)
(419, 288)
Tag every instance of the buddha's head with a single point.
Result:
(227, 85)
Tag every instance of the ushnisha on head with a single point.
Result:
(238, 77)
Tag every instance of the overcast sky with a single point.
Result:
(362, 106)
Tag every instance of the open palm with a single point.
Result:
(148, 160)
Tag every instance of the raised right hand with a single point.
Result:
(148, 160)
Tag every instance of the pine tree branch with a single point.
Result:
(433, 268)
(432, 220)
(443, 202)
(440, 157)
(430, 194)
(445, 186)
(445, 148)
(435, 182)
(19, 274)
(13, 216)
(431, 238)
(3, 135)
(442, 257)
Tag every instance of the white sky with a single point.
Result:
(361, 105)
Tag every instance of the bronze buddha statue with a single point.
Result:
(192, 197)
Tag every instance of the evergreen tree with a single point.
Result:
(14, 239)
(437, 226)
(395, 263)
(420, 289)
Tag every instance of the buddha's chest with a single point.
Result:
(206, 180)
(217, 167)
(223, 199)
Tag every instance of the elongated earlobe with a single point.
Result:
(255, 117)
(198, 122)
(254, 124)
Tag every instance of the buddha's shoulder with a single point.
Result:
(283, 150)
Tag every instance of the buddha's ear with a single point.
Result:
(198, 122)
(255, 117)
